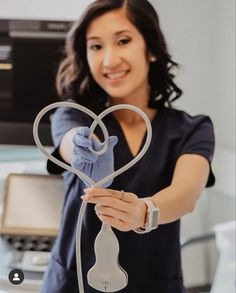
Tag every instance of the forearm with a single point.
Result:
(189, 179)
(125, 211)
(66, 145)
(175, 201)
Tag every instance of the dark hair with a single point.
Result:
(74, 79)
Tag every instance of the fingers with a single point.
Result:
(122, 213)
(81, 137)
(112, 141)
(108, 211)
(112, 193)
(88, 158)
(110, 198)
(80, 140)
(118, 219)
(83, 131)
(97, 145)
(116, 223)
(81, 153)
(108, 202)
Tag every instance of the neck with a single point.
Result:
(131, 117)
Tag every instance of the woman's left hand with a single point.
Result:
(121, 210)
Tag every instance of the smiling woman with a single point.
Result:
(111, 57)
(115, 54)
(137, 21)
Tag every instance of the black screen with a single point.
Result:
(35, 62)
(27, 87)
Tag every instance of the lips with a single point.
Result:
(116, 75)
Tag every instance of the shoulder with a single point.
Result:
(186, 132)
(183, 117)
(65, 118)
(69, 113)
(179, 120)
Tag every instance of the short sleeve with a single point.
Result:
(62, 120)
(199, 139)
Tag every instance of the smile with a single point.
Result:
(116, 75)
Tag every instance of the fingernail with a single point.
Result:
(87, 190)
(84, 197)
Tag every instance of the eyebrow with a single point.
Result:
(116, 34)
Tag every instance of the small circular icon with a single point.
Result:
(16, 277)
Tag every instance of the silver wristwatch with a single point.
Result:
(152, 216)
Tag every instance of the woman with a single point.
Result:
(117, 54)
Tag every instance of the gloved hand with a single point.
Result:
(92, 165)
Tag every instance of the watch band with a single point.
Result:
(152, 216)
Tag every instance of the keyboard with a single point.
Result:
(29, 243)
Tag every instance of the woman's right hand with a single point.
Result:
(92, 165)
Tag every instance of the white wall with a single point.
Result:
(43, 9)
(201, 38)
(200, 34)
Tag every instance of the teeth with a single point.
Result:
(116, 75)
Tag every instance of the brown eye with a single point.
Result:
(123, 41)
(95, 47)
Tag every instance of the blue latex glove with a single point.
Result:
(92, 165)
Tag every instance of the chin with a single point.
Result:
(117, 94)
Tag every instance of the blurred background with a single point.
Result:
(201, 38)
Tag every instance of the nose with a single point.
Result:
(111, 58)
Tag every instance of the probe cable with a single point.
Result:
(97, 121)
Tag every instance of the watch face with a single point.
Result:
(153, 218)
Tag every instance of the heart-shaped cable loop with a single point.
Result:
(97, 121)
(52, 158)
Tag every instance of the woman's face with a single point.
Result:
(117, 58)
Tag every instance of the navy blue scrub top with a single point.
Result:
(152, 260)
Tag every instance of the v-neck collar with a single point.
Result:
(119, 128)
